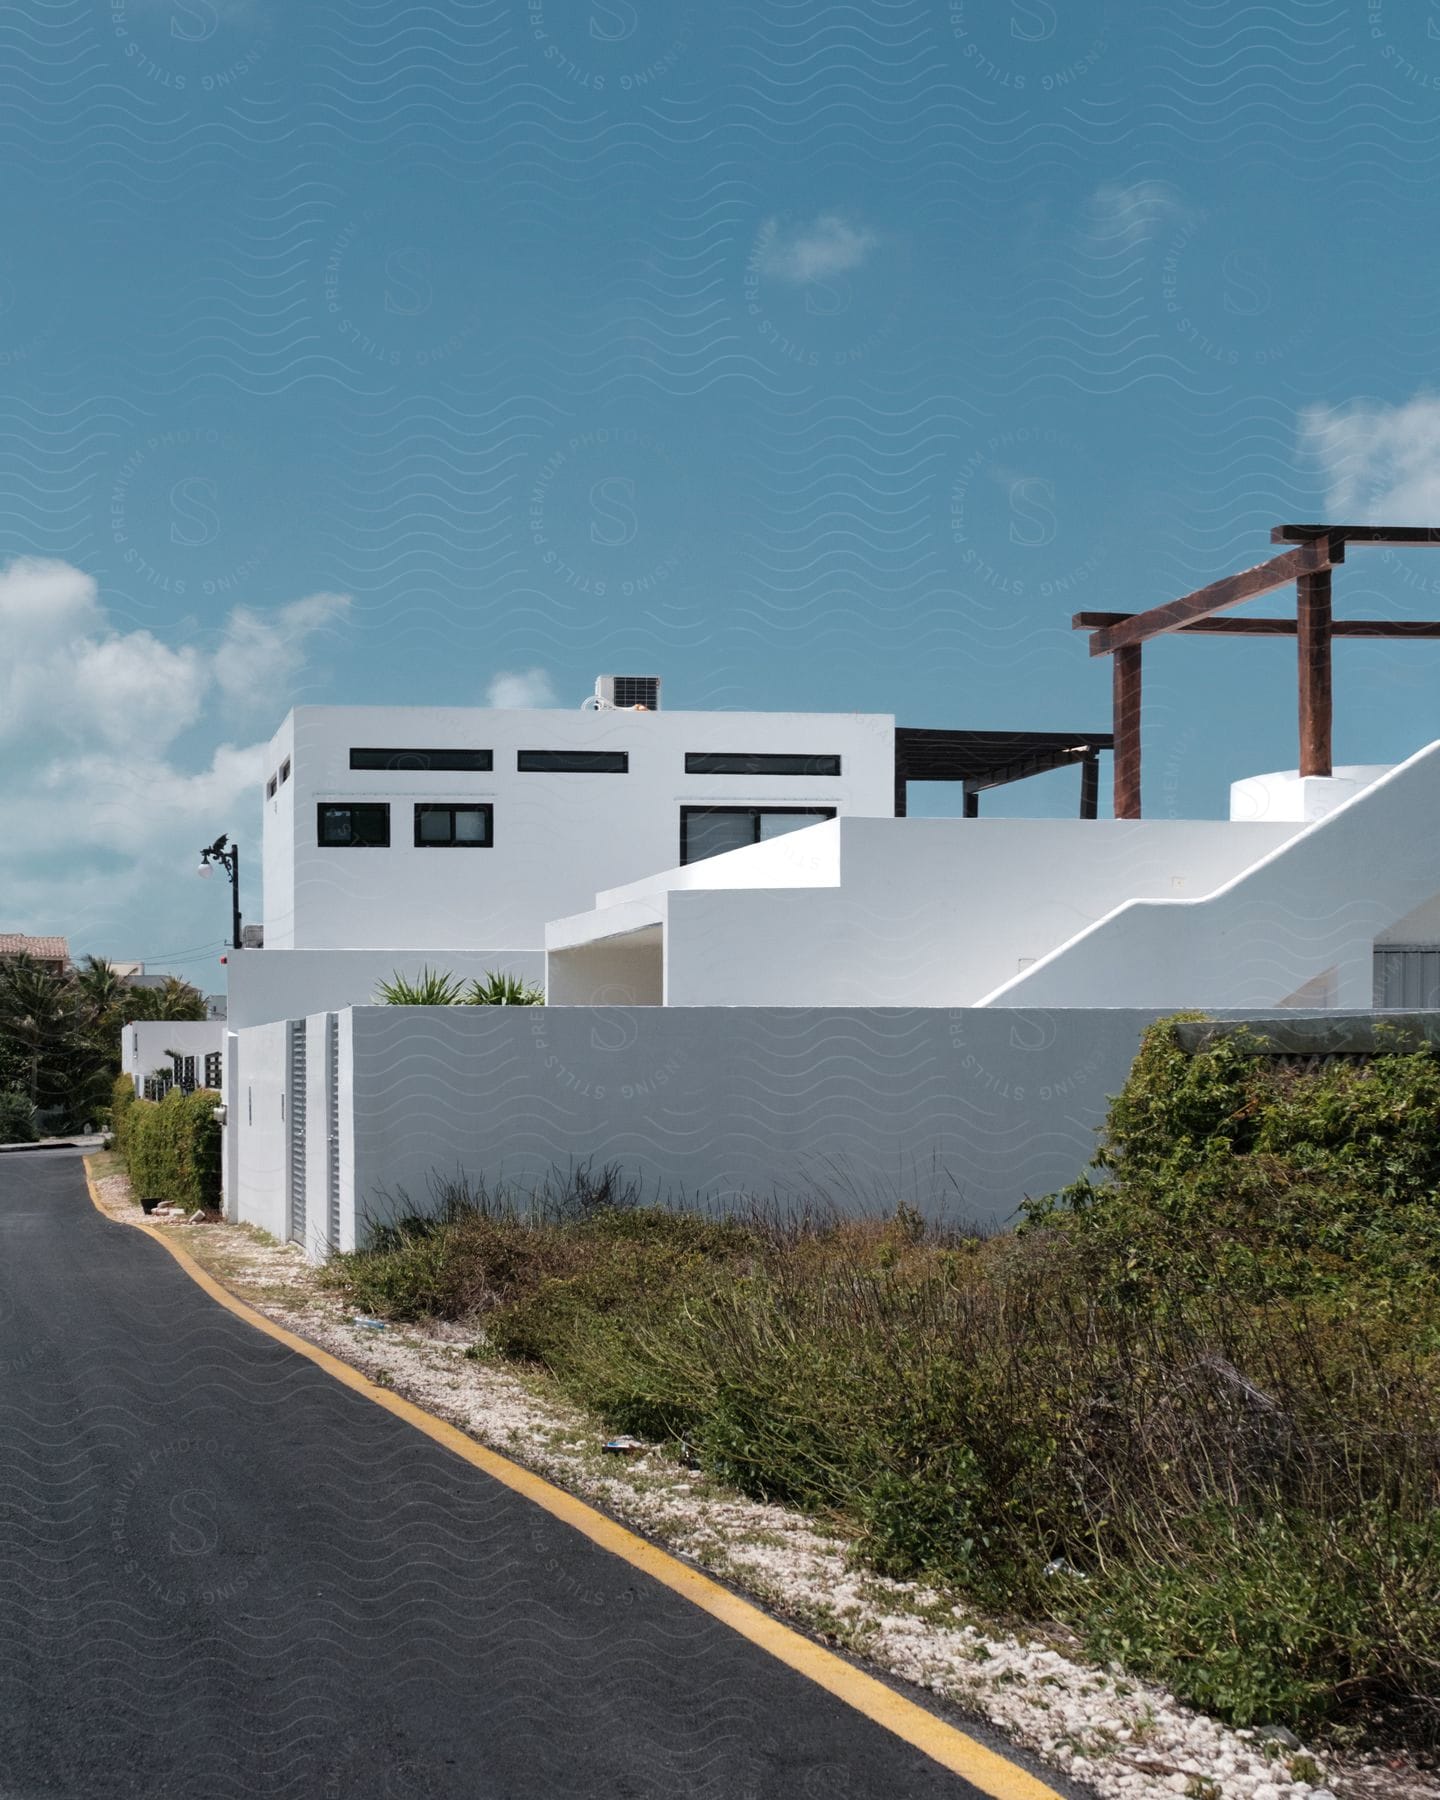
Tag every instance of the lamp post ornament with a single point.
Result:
(229, 861)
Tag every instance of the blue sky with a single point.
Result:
(813, 356)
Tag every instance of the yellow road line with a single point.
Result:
(944, 1743)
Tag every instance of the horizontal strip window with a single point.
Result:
(573, 762)
(351, 827)
(466, 761)
(712, 830)
(454, 827)
(757, 762)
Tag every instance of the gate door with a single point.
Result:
(297, 1130)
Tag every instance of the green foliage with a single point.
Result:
(441, 988)
(431, 988)
(60, 1034)
(17, 1118)
(122, 1101)
(498, 989)
(170, 1147)
(1223, 1171)
(174, 999)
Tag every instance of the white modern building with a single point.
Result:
(152, 1046)
(761, 975)
(401, 837)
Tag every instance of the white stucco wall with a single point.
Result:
(288, 984)
(1300, 923)
(256, 1142)
(926, 912)
(558, 838)
(143, 1044)
(962, 1111)
(272, 903)
(1286, 794)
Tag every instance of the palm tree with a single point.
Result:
(37, 1014)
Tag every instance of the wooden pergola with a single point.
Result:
(1316, 551)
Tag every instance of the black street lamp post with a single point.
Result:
(229, 861)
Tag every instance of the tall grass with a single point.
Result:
(1206, 1436)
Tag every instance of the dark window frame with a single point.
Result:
(270, 787)
(762, 762)
(451, 759)
(756, 812)
(351, 806)
(284, 771)
(572, 762)
(452, 807)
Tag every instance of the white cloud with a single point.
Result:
(1129, 213)
(1381, 464)
(260, 653)
(520, 688)
(829, 245)
(101, 818)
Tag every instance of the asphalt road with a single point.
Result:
(223, 1573)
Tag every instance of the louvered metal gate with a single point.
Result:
(1407, 975)
(332, 1126)
(297, 1129)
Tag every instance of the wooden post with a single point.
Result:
(1313, 617)
(1090, 788)
(1126, 691)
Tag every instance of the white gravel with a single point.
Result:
(1119, 1735)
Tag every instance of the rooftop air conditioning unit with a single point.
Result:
(252, 937)
(633, 693)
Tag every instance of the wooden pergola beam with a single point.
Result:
(1356, 534)
(1231, 590)
(1346, 628)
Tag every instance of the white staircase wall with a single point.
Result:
(1301, 920)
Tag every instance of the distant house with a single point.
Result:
(53, 953)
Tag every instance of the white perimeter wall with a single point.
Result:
(290, 984)
(928, 912)
(558, 838)
(962, 1111)
(143, 1044)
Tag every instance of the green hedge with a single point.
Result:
(122, 1099)
(171, 1147)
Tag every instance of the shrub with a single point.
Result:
(440, 988)
(122, 1099)
(171, 1148)
(503, 990)
(17, 1118)
(1191, 1410)
(430, 988)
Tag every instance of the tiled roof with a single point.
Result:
(48, 949)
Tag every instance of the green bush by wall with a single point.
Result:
(170, 1147)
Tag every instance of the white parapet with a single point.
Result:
(1285, 796)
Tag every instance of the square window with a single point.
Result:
(356, 826)
(438, 826)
